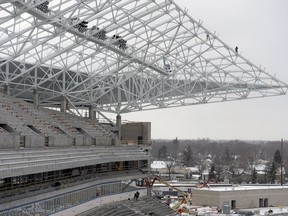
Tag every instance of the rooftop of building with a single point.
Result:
(245, 187)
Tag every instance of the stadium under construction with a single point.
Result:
(65, 64)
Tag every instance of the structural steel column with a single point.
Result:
(35, 97)
(281, 177)
(92, 113)
(63, 104)
(118, 124)
(6, 89)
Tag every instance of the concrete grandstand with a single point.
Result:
(63, 64)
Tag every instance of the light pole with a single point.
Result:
(148, 173)
(281, 164)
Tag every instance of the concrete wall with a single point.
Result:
(87, 140)
(79, 141)
(246, 198)
(132, 131)
(13, 141)
(7, 141)
(61, 140)
(100, 141)
(10, 141)
(34, 141)
(206, 197)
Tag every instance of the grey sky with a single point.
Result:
(260, 29)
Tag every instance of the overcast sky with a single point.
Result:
(260, 29)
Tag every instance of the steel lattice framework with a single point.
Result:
(121, 56)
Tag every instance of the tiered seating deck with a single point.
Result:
(143, 206)
(25, 119)
(26, 161)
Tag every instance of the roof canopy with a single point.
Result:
(121, 56)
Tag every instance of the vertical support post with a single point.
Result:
(118, 125)
(14, 138)
(148, 173)
(92, 113)
(281, 177)
(35, 97)
(63, 104)
(6, 89)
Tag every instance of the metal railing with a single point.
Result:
(65, 201)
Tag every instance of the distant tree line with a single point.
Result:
(236, 156)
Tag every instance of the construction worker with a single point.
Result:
(136, 195)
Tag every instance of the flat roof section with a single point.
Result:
(244, 188)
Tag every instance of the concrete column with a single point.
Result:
(35, 97)
(63, 105)
(146, 133)
(92, 113)
(6, 89)
(118, 124)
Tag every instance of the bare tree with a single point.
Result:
(169, 166)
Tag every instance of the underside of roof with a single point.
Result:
(121, 56)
